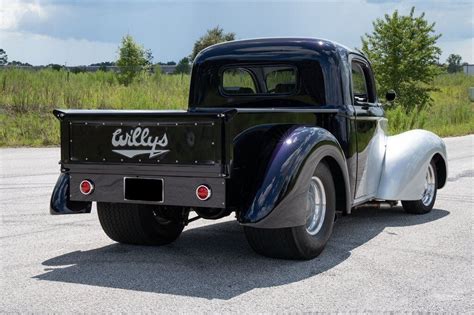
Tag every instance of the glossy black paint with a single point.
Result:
(391, 95)
(192, 138)
(260, 171)
(281, 196)
(255, 135)
(60, 203)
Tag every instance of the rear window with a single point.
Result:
(281, 81)
(259, 80)
(238, 81)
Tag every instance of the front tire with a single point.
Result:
(137, 224)
(427, 201)
(306, 241)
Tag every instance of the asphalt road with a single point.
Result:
(376, 260)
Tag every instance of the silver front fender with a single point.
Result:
(406, 161)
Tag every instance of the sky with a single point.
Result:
(85, 32)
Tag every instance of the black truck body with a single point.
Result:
(254, 147)
(224, 149)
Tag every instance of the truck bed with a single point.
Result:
(179, 150)
(174, 142)
(141, 137)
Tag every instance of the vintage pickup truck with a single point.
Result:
(282, 132)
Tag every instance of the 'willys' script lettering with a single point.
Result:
(138, 137)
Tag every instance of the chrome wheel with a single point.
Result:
(430, 186)
(316, 206)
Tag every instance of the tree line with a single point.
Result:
(134, 58)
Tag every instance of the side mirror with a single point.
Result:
(391, 95)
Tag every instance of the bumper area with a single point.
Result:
(176, 191)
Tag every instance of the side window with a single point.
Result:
(281, 81)
(237, 81)
(359, 83)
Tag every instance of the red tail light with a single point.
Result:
(86, 187)
(203, 192)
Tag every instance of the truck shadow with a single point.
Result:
(215, 261)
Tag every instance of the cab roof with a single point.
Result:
(269, 48)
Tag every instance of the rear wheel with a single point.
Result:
(428, 198)
(137, 224)
(306, 241)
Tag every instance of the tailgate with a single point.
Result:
(141, 137)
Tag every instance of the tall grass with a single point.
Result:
(451, 113)
(28, 97)
(39, 91)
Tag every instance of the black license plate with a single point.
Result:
(143, 189)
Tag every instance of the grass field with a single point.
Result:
(451, 113)
(28, 97)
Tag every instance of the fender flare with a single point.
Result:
(280, 200)
(407, 157)
(60, 203)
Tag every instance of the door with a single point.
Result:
(370, 127)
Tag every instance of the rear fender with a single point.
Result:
(280, 200)
(253, 150)
(406, 161)
(60, 203)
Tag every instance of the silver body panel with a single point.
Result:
(373, 157)
(406, 162)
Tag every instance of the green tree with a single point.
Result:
(3, 57)
(148, 66)
(404, 57)
(133, 59)
(454, 63)
(213, 36)
(183, 66)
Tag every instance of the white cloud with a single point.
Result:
(81, 32)
(41, 49)
(12, 11)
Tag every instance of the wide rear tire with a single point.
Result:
(307, 241)
(137, 224)
(427, 201)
